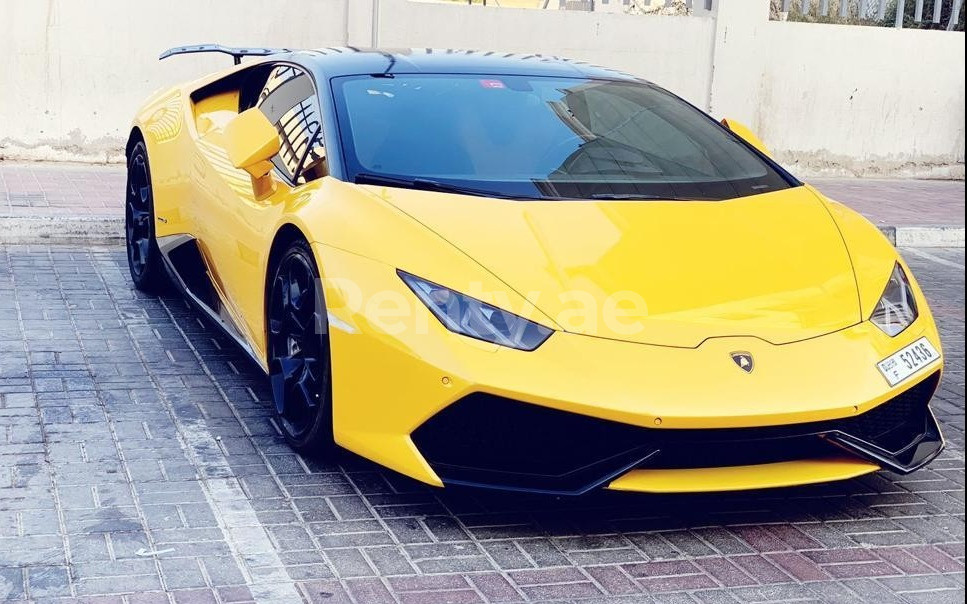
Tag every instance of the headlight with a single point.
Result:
(896, 309)
(471, 317)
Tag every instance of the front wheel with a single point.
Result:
(298, 347)
(144, 258)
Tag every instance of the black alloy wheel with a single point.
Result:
(144, 258)
(298, 347)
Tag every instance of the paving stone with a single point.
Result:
(113, 585)
(507, 554)
(48, 581)
(389, 561)
(222, 571)
(11, 583)
(349, 563)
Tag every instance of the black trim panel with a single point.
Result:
(490, 441)
(191, 271)
(188, 270)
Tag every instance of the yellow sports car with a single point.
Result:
(528, 273)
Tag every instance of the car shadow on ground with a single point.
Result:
(604, 511)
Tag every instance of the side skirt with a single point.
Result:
(188, 269)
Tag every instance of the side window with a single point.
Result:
(288, 100)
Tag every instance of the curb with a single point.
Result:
(110, 230)
(925, 236)
(61, 229)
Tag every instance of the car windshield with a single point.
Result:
(541, 137)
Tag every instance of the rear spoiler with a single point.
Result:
(237, 53)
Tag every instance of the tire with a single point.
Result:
(144, 258)
(300, 369)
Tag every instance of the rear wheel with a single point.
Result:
(298, 347)
(144, 258)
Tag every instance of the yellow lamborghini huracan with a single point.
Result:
(527, 273)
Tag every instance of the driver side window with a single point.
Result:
(288, 100)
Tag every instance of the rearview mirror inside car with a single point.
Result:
(251, 141)
(743, 132)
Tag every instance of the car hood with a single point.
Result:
(772, 266)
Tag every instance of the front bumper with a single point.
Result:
(796, 419)
(489, 441)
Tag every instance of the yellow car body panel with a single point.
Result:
(788, 276)
(747, 134)
(777, 283)
(168, 124)
(743, 478)
(249, 138)
(867, 248)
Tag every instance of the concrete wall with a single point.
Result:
(72, 72)
(876, 100)
(824, 97)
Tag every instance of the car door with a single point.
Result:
(238, 228)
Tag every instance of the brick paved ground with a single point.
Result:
(47, 189)
(138, 463)
(54, 189)
(900, 202)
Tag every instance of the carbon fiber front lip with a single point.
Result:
(921, 451)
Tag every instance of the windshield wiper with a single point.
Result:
(642, 197)
(425, 184)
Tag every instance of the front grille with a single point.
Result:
(894, 424)
(486, 439)
(489, 440)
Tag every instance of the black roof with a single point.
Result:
(334, 62)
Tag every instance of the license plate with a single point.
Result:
(907, 361)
